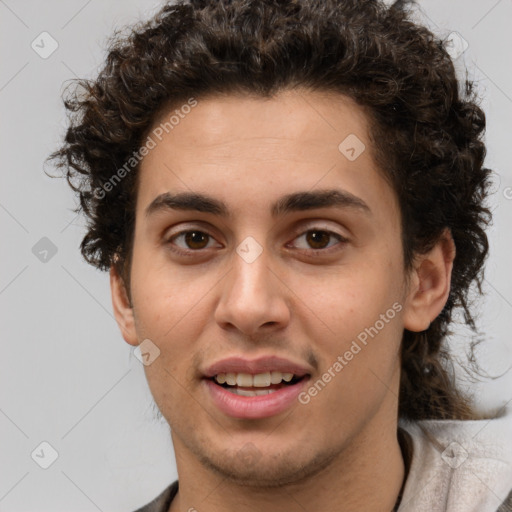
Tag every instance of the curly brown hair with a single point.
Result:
(426, 132)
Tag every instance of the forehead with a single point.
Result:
(297, 115)
(297, 139)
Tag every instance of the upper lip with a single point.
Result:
(255, 366)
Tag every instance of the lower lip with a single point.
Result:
(254, 407)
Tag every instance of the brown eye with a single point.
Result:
(196, 239)
(321, 240)
(190, 241)
(318, 239)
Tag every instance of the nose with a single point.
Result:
(253, 298)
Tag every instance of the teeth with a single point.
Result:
(261, 380)
(230, 378)
(246, 380)
(275, 377)
(245, 392)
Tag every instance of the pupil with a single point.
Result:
(316, 238)
(196, 239)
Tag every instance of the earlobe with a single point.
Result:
(123, 311)
(429, 285)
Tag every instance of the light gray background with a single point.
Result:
(67, 377)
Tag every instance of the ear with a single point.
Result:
(123, 311)
(429, 285)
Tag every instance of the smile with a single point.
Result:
(243, 395)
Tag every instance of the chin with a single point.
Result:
(251, 470)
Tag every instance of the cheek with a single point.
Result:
(172, 319)
(171, 309)
(358, 361)
(164, 297)
(350, 298)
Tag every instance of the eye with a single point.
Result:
(193, 240)
(320, 239)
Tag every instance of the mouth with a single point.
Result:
(260, 384)
(254, 396)
(255, 388)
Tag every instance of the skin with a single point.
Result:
(340, 450)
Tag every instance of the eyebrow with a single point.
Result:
(298, 201)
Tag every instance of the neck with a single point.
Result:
(367, 475)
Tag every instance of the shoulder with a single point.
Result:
(459, 465)
(506, 506)
(163, 501)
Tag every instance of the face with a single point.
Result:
(294, 253)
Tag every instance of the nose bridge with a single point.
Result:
(251, 296)
(250, 272)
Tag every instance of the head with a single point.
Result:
(249, 103)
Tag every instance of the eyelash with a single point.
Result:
(190, 252)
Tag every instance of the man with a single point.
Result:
(289, 197)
